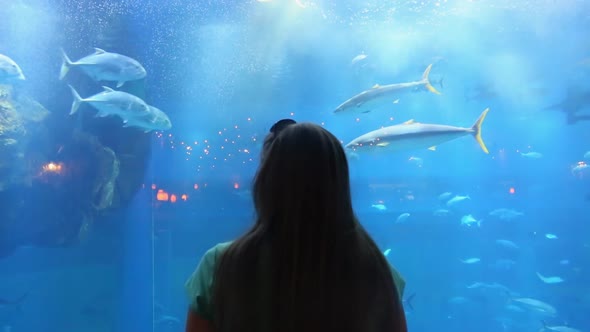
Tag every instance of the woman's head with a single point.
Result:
(303, 174)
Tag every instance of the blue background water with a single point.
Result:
(224, 71)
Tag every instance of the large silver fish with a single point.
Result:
(381, 95)
(9, 70)
(111, 102)
(105, 66)
(156, 119)
(413, 135)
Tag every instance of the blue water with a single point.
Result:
(225, 71)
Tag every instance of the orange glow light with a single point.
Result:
(173, 198)
(162, 195)
(53, 168)
(512, 191)
(184, 197)
(236, 185)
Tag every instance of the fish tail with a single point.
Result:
(426, 80)
(477, 130)
(409, 301)
(77, 100)
(65, 64)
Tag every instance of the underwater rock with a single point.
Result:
(58, 177)
(20, 118)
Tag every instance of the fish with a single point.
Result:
(579, 168)
(558, 328)
(403, 217)
(445, 196)
(408, 301)
(536, 305)
(550, 280)
(551, 236)
(469, 220)
(358, 58)
(494, 286)
(532, 155)
(380, 207)
(506, 214)
(416, 161)
(457, 199)
(472, 260)
(156, 119)
(386, 252)
(105, 66)
(413, 135)
(111, 102)
(575, 101)
(381, 95)
(507, 244)
(441, 213)
(10, 70)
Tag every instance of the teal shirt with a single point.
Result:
(199, 286)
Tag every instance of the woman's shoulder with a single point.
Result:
(218, 248)
(211, 256)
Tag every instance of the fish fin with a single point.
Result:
(77, 100)
(409, 122)
(120, 84)
(432, 148)
(65, 65)
(477, 130)
(409, 301)
(384, 144)
(107, 89)
(426, 81)
(99, 50)
(375, 86)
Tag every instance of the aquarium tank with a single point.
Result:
(131, 130)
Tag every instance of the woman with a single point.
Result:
(307, 264)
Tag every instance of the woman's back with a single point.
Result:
(349, 289)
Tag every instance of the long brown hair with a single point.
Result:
(306, 264)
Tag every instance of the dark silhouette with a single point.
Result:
(307, 264)
(574, 102)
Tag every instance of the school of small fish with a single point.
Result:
(451, 206)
